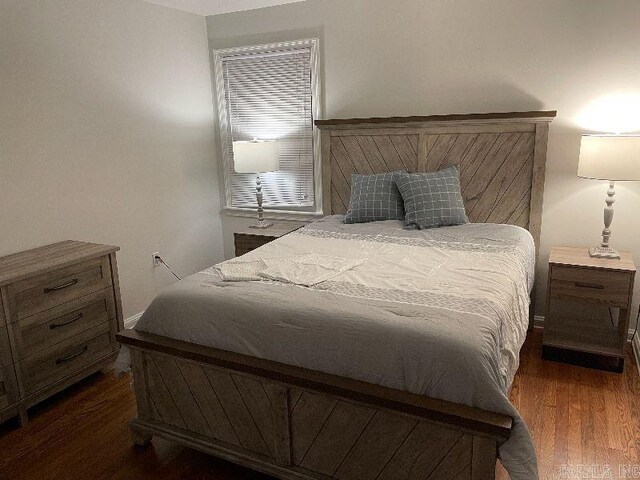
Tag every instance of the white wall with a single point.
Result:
(106, 135)
(418, 57)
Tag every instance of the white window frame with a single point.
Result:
(223, 123)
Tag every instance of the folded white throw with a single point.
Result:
(307, 270)
(244, 270)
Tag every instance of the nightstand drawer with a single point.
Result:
(54, 288)
(607, 287)
(252, 238)
(244, 243)
(58, 324)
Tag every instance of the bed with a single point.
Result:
(397, 369)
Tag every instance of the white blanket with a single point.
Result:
(306, 270)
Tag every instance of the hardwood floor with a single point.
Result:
(588, 420)
(577, 416)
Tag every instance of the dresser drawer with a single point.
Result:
(5, 347)
(63, 359)
(45, 291)
(608, 287)
(45, 329)
(8, 386)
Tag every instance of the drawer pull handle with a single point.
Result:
(53, 326)
(589, 285)
(61, 287)
(71, 357)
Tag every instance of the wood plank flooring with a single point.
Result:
(577, 416)
(586, 419)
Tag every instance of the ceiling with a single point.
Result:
(216, 7)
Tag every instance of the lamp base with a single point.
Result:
(603, 252)
(261, 224)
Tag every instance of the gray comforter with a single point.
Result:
(440, 312)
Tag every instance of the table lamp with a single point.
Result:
(613, 158)
(256, 157)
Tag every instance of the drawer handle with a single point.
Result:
(589, 285)
(61, 287)
(62, 360)
(53, 326)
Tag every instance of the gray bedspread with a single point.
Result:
(440, 312)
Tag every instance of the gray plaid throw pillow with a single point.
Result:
(432, 199)
(374, 197)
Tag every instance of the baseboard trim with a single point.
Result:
(538, 322)
(131, 321)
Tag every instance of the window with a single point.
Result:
(271, 92)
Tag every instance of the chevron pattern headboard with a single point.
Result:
(501, 157)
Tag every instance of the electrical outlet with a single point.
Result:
(156, 259)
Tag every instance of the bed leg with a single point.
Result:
(139, 437)
(23, 415)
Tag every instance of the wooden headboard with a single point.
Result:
(501, 157)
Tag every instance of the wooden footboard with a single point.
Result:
(295, 423)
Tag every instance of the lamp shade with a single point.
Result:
(255, 156)
(610, 157)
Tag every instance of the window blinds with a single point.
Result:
(268, 95)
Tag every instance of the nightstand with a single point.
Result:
(251, 238)
(588, 308)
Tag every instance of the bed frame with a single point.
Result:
(296, 423)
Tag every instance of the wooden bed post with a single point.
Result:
(537, 190)
(140, 437)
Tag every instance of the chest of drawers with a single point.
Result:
(60, 310)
